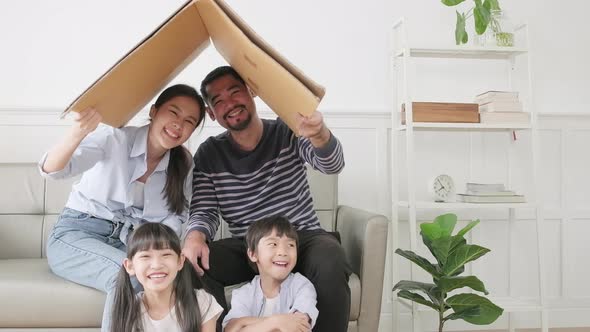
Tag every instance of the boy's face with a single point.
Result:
(275, 256)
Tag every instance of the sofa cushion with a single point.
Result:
(29, 289)
(57, 193)
(48, 223)
(24, 188)
(20, 235)
(355, 296)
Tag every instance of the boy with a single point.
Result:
(276, 299)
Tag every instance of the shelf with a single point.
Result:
(470, 52)
(464, 206)
(405, 60)
(509, 304)
(466, 126)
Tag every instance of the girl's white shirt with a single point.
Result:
(208, 307)
(110, 161)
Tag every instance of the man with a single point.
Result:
(256, 169)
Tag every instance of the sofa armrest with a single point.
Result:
(364, 239)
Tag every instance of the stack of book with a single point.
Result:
(489, 193)
(501, 107)
(442, 112)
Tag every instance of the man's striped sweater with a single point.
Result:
(243, 187)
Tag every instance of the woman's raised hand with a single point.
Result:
(60, 154)
(85, 122)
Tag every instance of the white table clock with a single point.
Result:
(442, 188)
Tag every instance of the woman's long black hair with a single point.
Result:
(180, 157)
(126, 309)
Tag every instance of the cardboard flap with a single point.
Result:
(134, 80)
(269, 75)
(315, 88)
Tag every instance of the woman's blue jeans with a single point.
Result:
(87, 251)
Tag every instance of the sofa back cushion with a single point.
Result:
(29, 206)
(21, 209)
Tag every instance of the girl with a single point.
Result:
(130, 176)
(168, 301)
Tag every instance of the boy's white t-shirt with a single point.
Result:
(269, 306)
(207, 305)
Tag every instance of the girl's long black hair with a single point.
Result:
(126, 310)
(180, 157)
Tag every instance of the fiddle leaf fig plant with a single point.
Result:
(481, 13)
(451, 253)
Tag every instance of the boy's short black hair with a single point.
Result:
(265, 227)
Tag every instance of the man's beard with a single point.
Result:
(240, 125)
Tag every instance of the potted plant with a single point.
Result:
(485, 13)
(451, 253)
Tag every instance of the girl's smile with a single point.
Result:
(155, 269)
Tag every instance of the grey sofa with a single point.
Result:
(33, 299)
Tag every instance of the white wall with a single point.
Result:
(51, 51)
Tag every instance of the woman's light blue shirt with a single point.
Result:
(111, 159)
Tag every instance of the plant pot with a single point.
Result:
(504, 39)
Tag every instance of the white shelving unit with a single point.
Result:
(402, 56)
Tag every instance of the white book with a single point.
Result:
(490, 193)
(491, 96)
(501, 106)
(472, 186)
(490, 199)
(504, 117)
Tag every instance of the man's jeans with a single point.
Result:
(87, 251)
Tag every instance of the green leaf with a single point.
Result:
(440, 248)
(451, 3)
(492, 4)
(456, 242)
(442, 226)
(460, 33)
(420, 261)
(458, 238)
(461, 256)
(429, 289)
(436, 235)
(489, 312)
(430, 231)
(457, 272)
(470, 312)
(447, 284)
(416, 298)
(467, 228)
(481, 15)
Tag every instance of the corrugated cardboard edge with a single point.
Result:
(83, 100)
(314, 87)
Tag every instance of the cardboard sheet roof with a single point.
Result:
(135, 79)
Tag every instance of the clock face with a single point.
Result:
(443, 188)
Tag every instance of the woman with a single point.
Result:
(130, 176)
